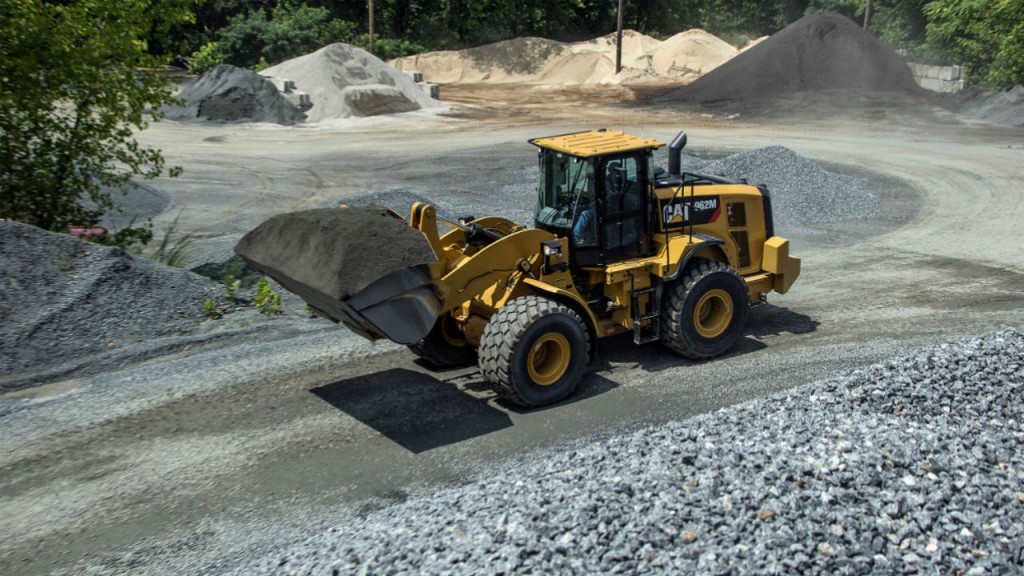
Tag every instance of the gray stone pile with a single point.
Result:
(803, 193)
(913, 466)
(65, 302)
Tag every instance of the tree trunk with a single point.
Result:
(371, 26)
(618, 42)
(867, 14)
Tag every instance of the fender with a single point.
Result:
(705, 242)
(573, 301)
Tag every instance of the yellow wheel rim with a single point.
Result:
(548, 359)
(713, 313)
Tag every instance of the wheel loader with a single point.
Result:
(617, 246)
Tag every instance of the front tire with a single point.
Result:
(534, 351)
(706, 310)
(444, 346)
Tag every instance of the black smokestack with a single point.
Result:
(675, 154)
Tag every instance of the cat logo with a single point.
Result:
(675, 212)
(685, 211)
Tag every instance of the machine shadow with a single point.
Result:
(764, 320)
(420, 412)
(415, 410)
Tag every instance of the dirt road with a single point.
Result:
(177, 464)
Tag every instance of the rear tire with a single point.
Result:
(444, 346)
(706, 310)
(534, 351)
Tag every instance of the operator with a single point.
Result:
(584, 229)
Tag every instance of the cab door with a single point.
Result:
(621, 208)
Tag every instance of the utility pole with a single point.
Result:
(618, 42)
(371, 26)
(867, 14)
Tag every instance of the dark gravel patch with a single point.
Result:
(820, 52)
(908, 467)
(62, 300)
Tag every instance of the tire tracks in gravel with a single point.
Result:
(248, 448)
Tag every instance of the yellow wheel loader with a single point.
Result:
(617, 246)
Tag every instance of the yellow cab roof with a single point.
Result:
(595, 143)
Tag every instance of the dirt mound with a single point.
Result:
(63, 299)
(516, 60)
(823, 51)
(541, 61)
(326, 255)
(1004, 108)
(344, 81)
(230, 94)
(691, 52)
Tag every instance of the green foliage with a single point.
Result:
(74, 87)
(211, 310)
(231, 287)
(387, 48)
(267, 301)
(130, 238)
(65, 264)
(174, 249)
(206, 58)
(983, 35)
(293, 29)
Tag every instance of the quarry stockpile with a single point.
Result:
(229, 94)
(344, 81)
(65, 300)
(542, 61)
(823, 51)
(326, 255)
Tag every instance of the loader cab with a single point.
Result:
(594, 188)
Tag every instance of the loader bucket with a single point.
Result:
(358, 266)
(401, 306)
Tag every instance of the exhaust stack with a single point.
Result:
(675, 154)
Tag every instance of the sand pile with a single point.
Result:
(228, 94)
(541, 61)
(325, 255)
(63, 299)
(691, 52)
(823, 51)
(344, 81)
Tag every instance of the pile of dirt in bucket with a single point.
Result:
(231, 94)
(820, 52)
(63, 299)
(326, 255)
(344, 81)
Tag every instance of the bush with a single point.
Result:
(294, 29)
(388, 48)
(206, 58)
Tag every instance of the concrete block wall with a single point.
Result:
(938, 78)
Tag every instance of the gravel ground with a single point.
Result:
(911, 466)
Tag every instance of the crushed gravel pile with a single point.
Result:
(911, 466)
(1005, 108)
(325, 255)
(823, 51)
(228, 93)
(344, 81)
(62, 299)
(803, 193)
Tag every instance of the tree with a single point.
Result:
(986, 36)
(293, 29)
(74, 87)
